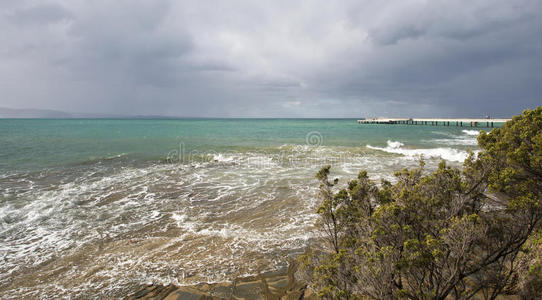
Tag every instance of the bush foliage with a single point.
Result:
(447, 234)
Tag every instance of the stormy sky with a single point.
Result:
(272, 58)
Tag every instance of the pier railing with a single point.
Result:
(436, 122)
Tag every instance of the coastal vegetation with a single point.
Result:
(451, 233)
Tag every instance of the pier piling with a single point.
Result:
(434, 122)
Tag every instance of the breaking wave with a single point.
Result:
(470, 132)
(449, 154)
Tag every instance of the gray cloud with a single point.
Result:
(305, 59)
(38, 15)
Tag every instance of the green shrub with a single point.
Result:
(452, 233)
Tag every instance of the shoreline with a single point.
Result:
(282, 284)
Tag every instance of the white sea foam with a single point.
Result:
(224, 158)
(395, 144)
(247, 205)
(466, 138)
(450, 154)
(456, 141)
(470, 132)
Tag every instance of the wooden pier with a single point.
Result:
(436, 122)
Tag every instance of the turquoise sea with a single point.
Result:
(96, 207)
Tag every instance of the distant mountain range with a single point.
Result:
(32, 113)
(13, 113)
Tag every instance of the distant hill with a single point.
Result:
(14, 113)
(33, 113)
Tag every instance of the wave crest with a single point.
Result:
(449, 154)
(470, 132)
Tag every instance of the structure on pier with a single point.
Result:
(435, 122)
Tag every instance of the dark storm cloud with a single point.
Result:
(239, 58)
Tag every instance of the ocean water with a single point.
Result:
(95, 208)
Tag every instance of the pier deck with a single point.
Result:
(435, 121)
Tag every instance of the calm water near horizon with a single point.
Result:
(96, 207)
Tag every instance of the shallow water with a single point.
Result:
(98, 207)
